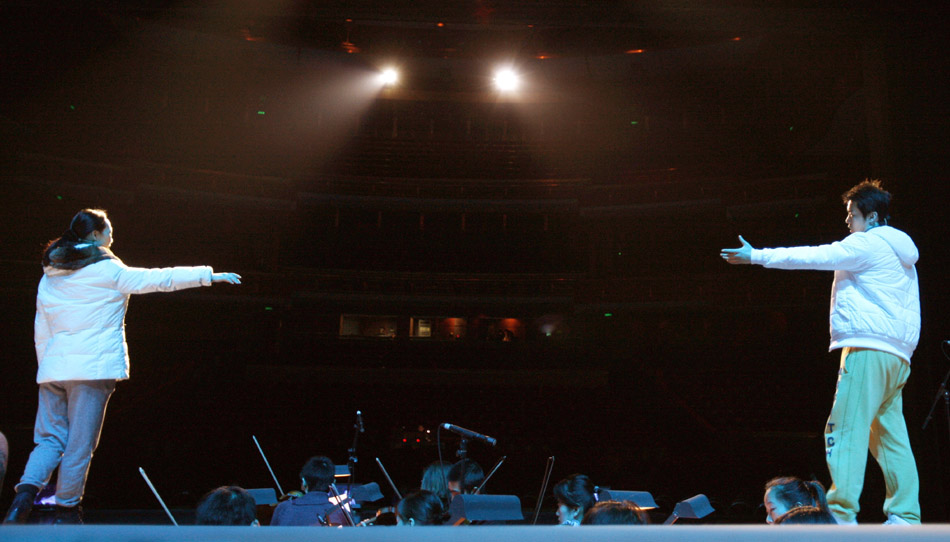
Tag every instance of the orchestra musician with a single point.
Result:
(314, 505)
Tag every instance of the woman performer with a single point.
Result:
(786, 493)
(575, 495)
(420, 508)
(79, 333)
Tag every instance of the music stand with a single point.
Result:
(263, 496)
(643, 499)
(692, 508)
(485, 508)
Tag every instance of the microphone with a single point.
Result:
(468, 433)
(359, 421)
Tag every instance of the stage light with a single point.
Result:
(506, 80)
(388, 77)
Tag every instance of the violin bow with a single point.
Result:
(342, 504)
(490, 474)
(544, 489)
(157, 496)
(388, 479)
(280, 491)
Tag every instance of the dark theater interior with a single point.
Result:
(505, 215)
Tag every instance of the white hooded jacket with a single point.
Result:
(875, 300)
(79, 329)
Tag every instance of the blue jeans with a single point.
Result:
(69, 420)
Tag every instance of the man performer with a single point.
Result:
(314, 507)
(875, 321)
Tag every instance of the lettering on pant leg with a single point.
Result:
(830, 440)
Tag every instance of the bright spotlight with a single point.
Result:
(388, 77)
(506, 80)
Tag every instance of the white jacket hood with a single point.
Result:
(875, 299)
(902, 244)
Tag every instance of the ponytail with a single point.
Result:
(817, 491)
(794, 492)
(83, 223)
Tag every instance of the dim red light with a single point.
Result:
(634, 51)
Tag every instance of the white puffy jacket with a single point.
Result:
(875, 301)
(79, 329)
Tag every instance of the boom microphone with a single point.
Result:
(468, 433)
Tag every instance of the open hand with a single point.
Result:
(230, 278)
(741, 255)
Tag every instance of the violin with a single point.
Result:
(384, 517)
(289, 496)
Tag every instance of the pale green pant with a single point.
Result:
(868, 414)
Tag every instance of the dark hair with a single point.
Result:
(794, 492)
(615, 513)
(434, 480)
(869, 197)
(226, 505)
(806, 515)
(423, 507)
(83, 223)
(318, 472)
(474, 475)
(576, 491)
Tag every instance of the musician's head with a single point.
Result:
(435, 479)
(787, 492)
(465, 477)
(806, 515)
(615, 513)
(227, 505)
(420, 508)
(575, 495)
(317, 474)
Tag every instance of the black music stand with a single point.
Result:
(643, 499)
(485, 508)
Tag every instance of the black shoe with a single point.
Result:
(68, 515)
(22, 505)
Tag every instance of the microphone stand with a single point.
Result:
(352, 460)
(945, 393)
(462, 454)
